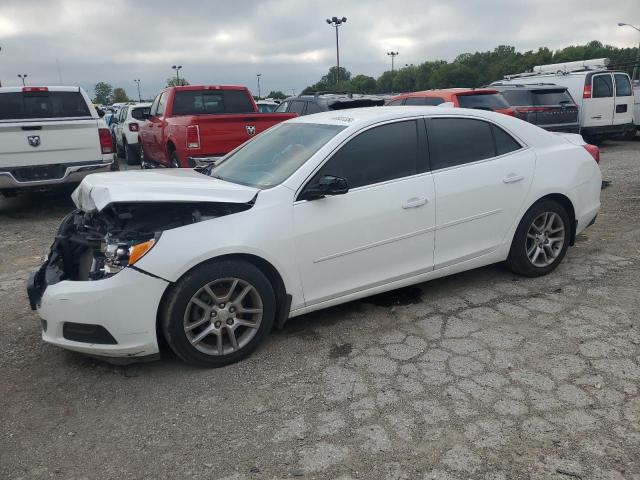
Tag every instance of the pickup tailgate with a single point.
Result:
(219, 134)
(46, 142)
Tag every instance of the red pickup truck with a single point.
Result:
(196, 124)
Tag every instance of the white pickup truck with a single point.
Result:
(50, 136)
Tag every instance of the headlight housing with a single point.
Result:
(117, 255)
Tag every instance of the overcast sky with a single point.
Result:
(287, 41)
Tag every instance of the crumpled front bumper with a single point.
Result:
(125, 305)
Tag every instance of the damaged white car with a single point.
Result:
(316, 211)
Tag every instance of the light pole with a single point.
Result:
(258, 75)
(22, 77)
(393, 55)
(635, 67)
(137, 80)
(336, 22)
(177, 69)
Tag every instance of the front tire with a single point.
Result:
(175, 161)
(218, 313)
(541, 240)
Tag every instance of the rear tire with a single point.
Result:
(131, 154)
(541, 240)
(175, 160)
(141, 157)
(218, 313)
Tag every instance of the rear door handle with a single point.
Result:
(414, 202)
(512, 178)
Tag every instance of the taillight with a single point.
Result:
(106, 144)
(507, 111)
(193, 136)
(586, 92)
(594, 151)
(35, 89)
(134, 127)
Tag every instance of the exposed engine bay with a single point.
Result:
(96, 245)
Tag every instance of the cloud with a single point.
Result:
(287, 41)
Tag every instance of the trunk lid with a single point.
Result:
(98, 190)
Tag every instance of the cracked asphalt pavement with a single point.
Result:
(483, 375)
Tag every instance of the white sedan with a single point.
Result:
(317, 211)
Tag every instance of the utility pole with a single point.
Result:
(137, 80)
(635, 67)
(177, 69)
(393, 55)
(258, 75)
(23, 77)
(336, 22)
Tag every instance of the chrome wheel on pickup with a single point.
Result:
(218, 313)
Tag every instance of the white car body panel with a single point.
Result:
(340, 248)
(121, 130)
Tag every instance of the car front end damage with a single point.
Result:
(89, 293)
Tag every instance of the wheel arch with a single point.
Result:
(566, 203)
(283, 300)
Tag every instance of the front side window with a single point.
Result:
(154, 106)
(623, 86)
(162, 103)
(379, 154)
(271, 157)
(457, 141)
(282, 108)
(602, 86)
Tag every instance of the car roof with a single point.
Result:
(138, 105)
(533, 86)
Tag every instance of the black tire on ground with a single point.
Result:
(518, 261)
(176, 305)
(131, 154)
(175, 160)
(119, 150)
(141, 159)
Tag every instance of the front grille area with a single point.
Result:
(39, 173)
(87, 333)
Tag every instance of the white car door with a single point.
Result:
(598, 110)
(482, 175)
(623, 112)
(382, 229)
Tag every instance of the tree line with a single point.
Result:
(470, 69)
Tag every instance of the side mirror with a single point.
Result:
(327, 185)
(100, 112)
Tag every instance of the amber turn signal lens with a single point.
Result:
(136, 252)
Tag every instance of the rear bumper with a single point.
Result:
(72, 173)
(606, 130)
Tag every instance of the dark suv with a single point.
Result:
(324, 101)
(546, 105)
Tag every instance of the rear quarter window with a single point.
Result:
(487, 101)
(30, 105)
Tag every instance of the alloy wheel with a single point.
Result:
(545, 239)
(223, 316)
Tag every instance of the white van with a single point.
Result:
(604, 97)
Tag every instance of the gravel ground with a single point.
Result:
(482, 375)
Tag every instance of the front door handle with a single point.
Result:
(414, 202)
(512, 178)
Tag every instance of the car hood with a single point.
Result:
(98, 190)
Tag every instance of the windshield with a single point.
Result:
(274, 155)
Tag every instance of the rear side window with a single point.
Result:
(379, 154)
(518, 98)
(297, 107)
(551, 97)
(623, 86)
(505, 143)
(139, 113)
(206, 102)
(28, 105)
(313, 107)
(456, 141)
(415, 101)
(487, 101)
(602, 86)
